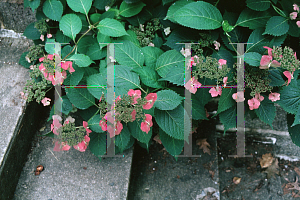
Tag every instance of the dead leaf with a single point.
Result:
(297, 170)
(212, 173)
(42, 129)
(157, 139)
(203, 145)
(293, 186)
(272, 169)
(236, 180)
(266, 160)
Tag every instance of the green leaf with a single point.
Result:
(252, 58)
(80, 97)
(70, 25)
(167, 100)
(137, 133)
(266, 111)
(34, 4)
(167, 1)
(199, 15)
(95, 18)
(253, 19)
(228, 118)
(49, 46)
(61, 38)
(297, 118)
(123, 138)
(258, 5)
(77, 75)
(93, 124)
(173, 8)
(198, 110)
(23, 60)
(168, 60)
(85, 43)
(97, 144)
(103, 39)
(130, 37)
(66, 106)
(294, 30)
(53, 9)
(179, 36)
(275, 77)
(236, 36)
(82, 6)
(97, 85)
(224, 54)
(293, 131)
(226, 100)
(290, 98)
(111, 27)
(129, 55)
(81, 60)
(202, 94)
(172, 145)
(151, 54)
(149, 76)
(176, 76)
(66, 50)
(277, 26)
(129, 10)
(95, 53)
(173, 122)
(31, 32)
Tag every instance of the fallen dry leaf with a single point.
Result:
(212, 173)
(157, 139)
(236, 180)
(266, 160)
(293, 186)
(272, 169)
(203, 145)
(297, 170)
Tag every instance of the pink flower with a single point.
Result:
(225, 79)
(69, 119)
(85, 125)
(49, 35)
(41, 59)
(133, 113)
(67, 65)
(62, 146)
(46, 101)
(298, 23)
(217, 45)
(103, 124)
(83, 144)
(50, 56)
(274, 96)
(145, 126)
(289, 76)
(296, 7)
(23, 95)
(42, 38)
(136, 95)
(265, 61)
(117, 128)
(253, 103)
(56, 124)
(222, 62)
(293, 15)
(192, 85)
(151, 98)
(269, 50)
(59, 79)
(215, 91)
(239, 96)
(259, 97)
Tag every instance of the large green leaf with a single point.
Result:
(275, 77)
(70, 25)
(252, 58)
(226, 100)
(290, 98)
(33, 4)
(266, 111)
(199, 15)
(81, 60)
(198, 109)
(175, 76)
(179, 36)
(23, 61)
(172, 145)
(31, 32)
(174, 7)
(66, 106)
(82, 6)
(137, 133)
(111, 27)
(76, 76)
(61, 38)
(129, 10)
(167, 61)
(173, 122)
(151, 54)
(84, 44)
(130, 37)
(97, 85)
(53, 9)
(228, 118)
(258, 5)
(253, 19)
(102, 39)
(277, 26)
(129, 55)
(95, 52)
(97, 144)
(80, 97)
(123, 138)
(167, 100)
(93, 124)
(293, 131)
(149, 76)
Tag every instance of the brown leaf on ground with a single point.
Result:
(266, 160)
(236, 180)
(297, 170)
(212, 173)
(293, 186)
(157, 139)
(272, 169)
(203, 145)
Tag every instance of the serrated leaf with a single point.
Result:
(226, 100)
(34, 4)
(236, 36)
(199, 15)
(168, 60)
(61, 38)
(129, 10)
(123, 138)
(173, 8)
(130, 37)
(277, 26)
(103, 39)
(151, 54)
(53, 9)
(97, 144)
(93, 124)
(252, 58)
(198, 110)
(95, 52)
(253, 19)
(82, 6)
(84, 44)
(290, 98)
(293, 131)
(70, 25)
(81, 60)
(167, 100)
(23, 61)
(80, 97)
(172, 145)
(31, 32)
(228, 118)
(258, 5)
(67, 50)
(179, 36)
(266, 111)
(137, 133)
(129, 55)
(176, 76)
(97, 85)
(149, 76)
(294, 30)
(76, 76)
(111, 27)
(95, 18)
(173, 122)
(275, 77)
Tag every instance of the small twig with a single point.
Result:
(53, 154)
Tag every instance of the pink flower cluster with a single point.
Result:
(63, 146)
(293, 15)
(117, 125)
(66, 65)
(267, 60)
